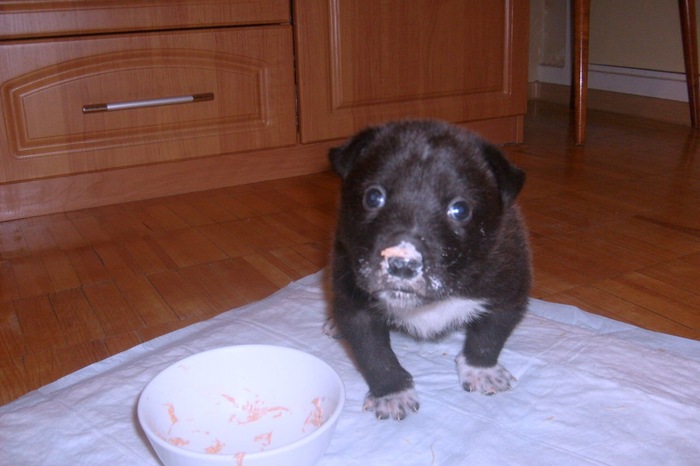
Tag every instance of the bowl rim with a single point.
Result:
(153, 436)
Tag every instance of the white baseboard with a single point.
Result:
(648, 83)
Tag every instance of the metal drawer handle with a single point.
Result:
(114, 106)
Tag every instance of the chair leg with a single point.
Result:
(582, 14)
(690, 54)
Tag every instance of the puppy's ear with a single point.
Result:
(343, 158)
(510, 178)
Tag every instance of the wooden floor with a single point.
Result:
(615, 229)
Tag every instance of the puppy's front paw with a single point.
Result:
(331, 329)
(394, 405)
(485, 380)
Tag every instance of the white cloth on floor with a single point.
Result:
(590, 390)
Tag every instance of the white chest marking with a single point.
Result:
(433, 319)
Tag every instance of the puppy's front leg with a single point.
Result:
(391, 393)
(477, 365)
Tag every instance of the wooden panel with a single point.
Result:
(27, 18)
(60, 194)
(45, 84)
(361, 63)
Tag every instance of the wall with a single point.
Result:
(635, 46)
(642, 34)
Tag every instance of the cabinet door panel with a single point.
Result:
(247, 74)
(364, 62)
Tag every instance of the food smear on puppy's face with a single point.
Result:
(403, 250)
(430, 240)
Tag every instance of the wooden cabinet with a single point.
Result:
(32, 18)
(362, 62)
(245, 74)
(272, 93)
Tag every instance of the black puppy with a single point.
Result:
(429, 240)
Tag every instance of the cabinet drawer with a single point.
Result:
(44, 86)
(22, 18)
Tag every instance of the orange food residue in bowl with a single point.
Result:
(239, 457)
(171, 415)
(215, 448)
(254, 410)
(315, 417)
(177, 441)
(264, 439)
(257, 410)
(230, 398)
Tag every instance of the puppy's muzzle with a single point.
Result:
(402, 261)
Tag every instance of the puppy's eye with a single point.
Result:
(459, 210)
(374, 199)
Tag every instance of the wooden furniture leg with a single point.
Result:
(690, 54)
(582, 14)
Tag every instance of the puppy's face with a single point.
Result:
(421, 209)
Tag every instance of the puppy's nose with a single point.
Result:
(403, 267)
(402, 261)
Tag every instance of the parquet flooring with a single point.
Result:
(615, 230)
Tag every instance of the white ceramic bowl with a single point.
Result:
(251, 405)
